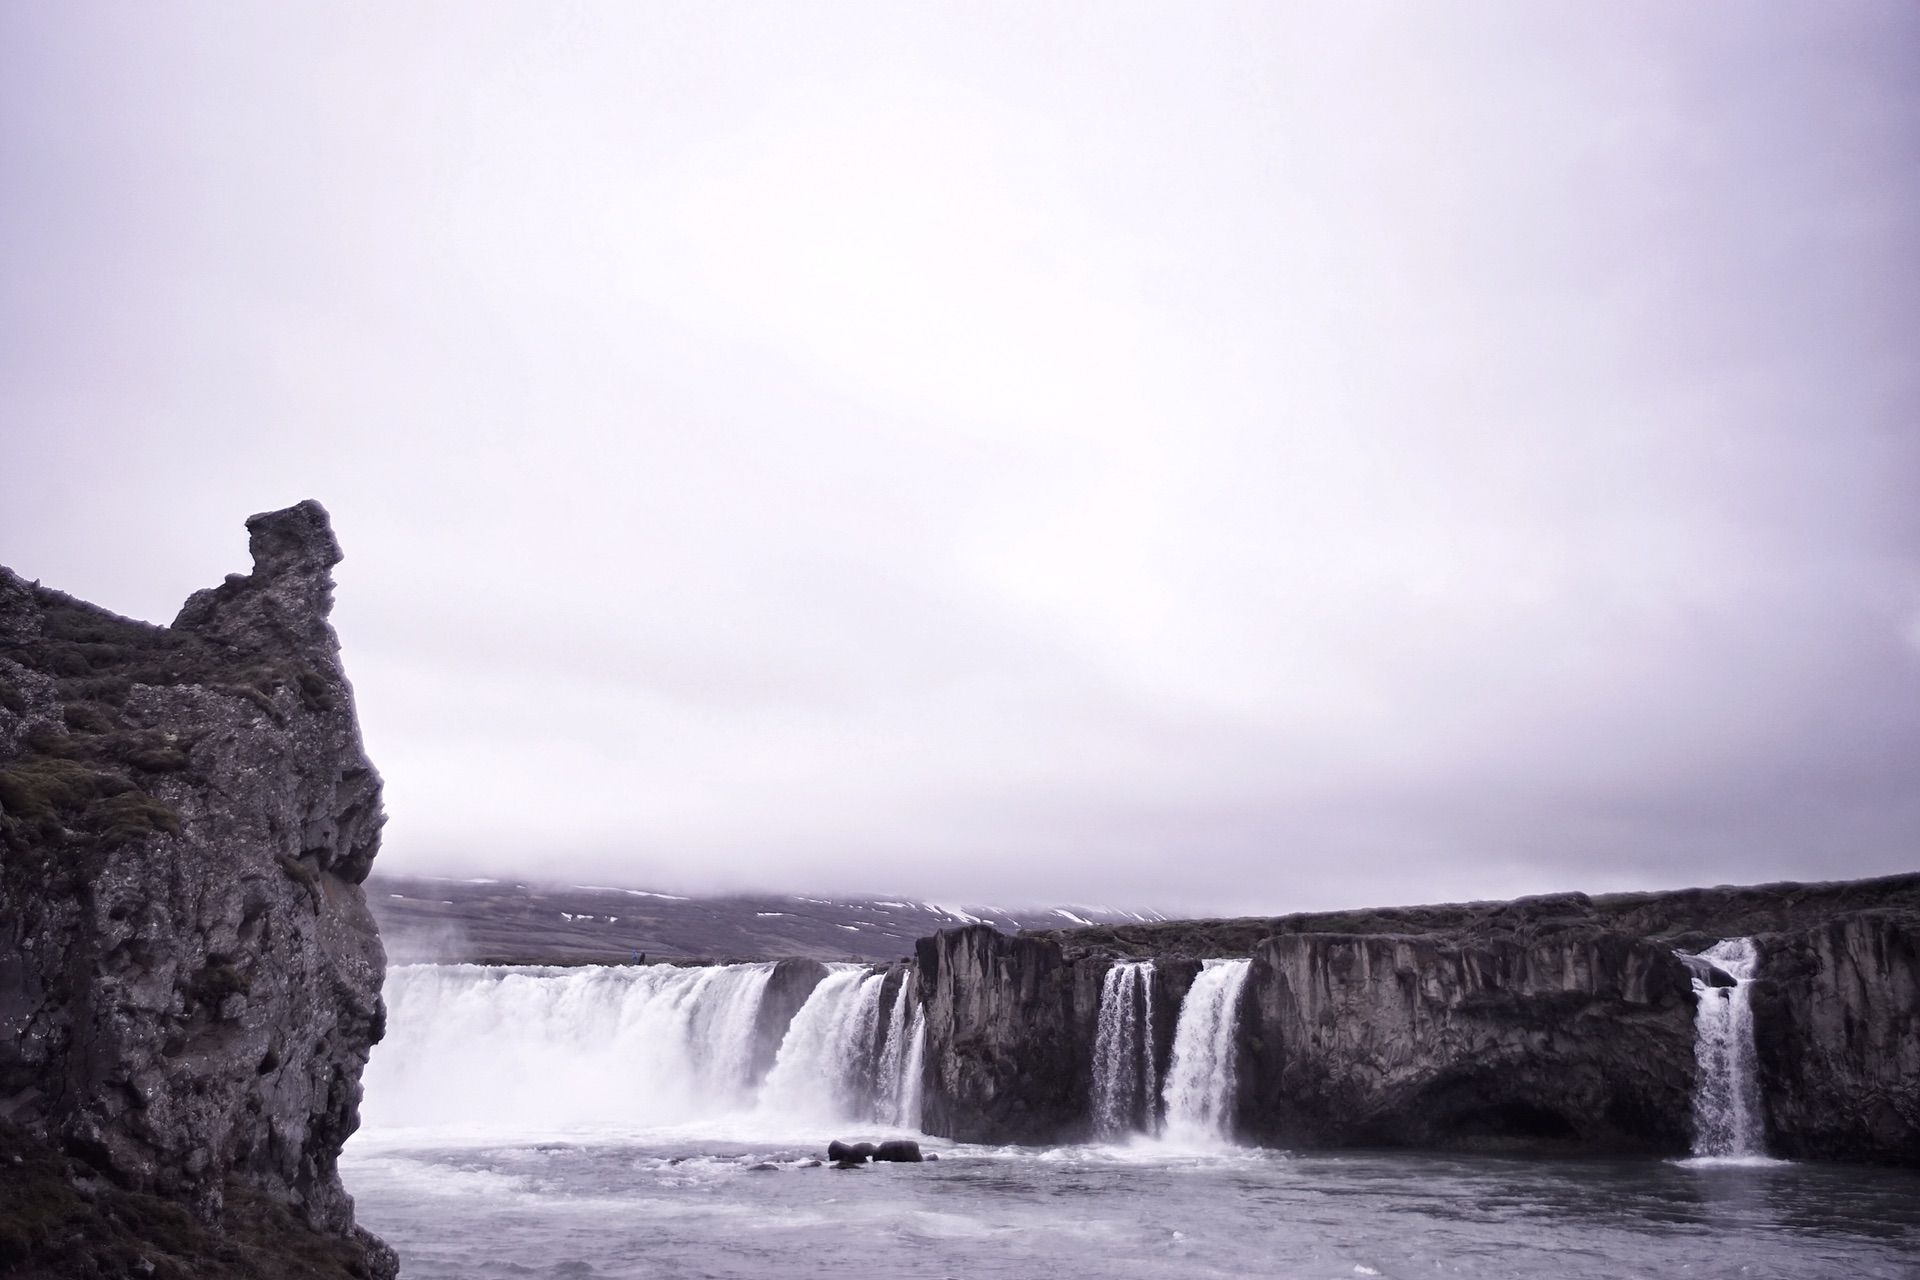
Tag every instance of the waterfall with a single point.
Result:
(903, 1050)
(912, 1078)
(825, 1068)
(558, 1048)
(893, 1058)
(542, 1049)
(1726, 1089)
(1123, 1073)
(1199, 1093)
(901, 1055)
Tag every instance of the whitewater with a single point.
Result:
(671, 1122)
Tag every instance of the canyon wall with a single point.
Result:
(189, 976)
(1008, 1034)
(1560, 1024)
(1836, 1013)
(1573, 1038)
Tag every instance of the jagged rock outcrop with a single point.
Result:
(189, 977)
(1571, 1038)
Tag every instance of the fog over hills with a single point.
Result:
(451, 920)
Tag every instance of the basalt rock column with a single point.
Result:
(189, 977)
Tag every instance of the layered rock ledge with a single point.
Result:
(1560, 1024)
(189, 976)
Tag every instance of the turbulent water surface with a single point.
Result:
(644, 1122)
(682, 1207)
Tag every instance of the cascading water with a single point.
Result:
(825, 1067)
(897, 1100)
(532, 1049)
(1199, 1094)
(1123, 1071)
(1726, 1090)
(912, 1072)
(547, 1048)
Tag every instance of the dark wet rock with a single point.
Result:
(1009, 1036)
(931, 1155)
(189, 977)
(1576, 1039)
(764, 1166)
(1836, 1016)
(1562, 1022)
(1706, 970)
(1010, 1032)
(897, 1151)
(808, 1164)
(849, 1152)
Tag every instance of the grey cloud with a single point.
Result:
(1242, 458)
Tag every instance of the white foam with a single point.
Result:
(1200, 1090)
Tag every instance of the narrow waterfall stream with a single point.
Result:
(897, 1085)
(639, 1046)
(1201, 1079)
(1124, 1080)
(1726, 1091)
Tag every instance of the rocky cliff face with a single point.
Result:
(1008, 1034)
(189, 977)
(1836, 1013)
(1568, 1037)
(1556, 1024)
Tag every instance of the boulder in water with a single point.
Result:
(898, 1151)
(849, 1152)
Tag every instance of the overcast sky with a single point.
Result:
(1202, 456)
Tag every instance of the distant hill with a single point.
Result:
(509, 922)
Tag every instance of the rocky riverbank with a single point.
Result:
(189, 976)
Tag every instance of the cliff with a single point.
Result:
(1007, 1036)
(1557, 1024)
(189, 976)
(1010, 1032)
(1571, 1038)
(1836, 1016)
